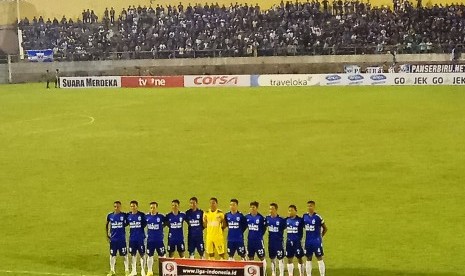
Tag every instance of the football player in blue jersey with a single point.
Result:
(276, 226)
(194, 219)
(257, 228)
(116, 235)
(294, 229)
(155, 224)
(315, 229)
(175, 221)
(137, 223)
(236, 224)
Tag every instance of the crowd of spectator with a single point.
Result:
(290, 28)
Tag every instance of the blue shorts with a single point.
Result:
(153, 246)
(195, 244)
(176, 246)
(234, 246)
(294, 249)
(314, 248)
(256, 247)
(118, 246)
(137, 246)
(275, 250)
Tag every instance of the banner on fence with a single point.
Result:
(285, 80)
(436, 68)
(196, 267)
(216, 80)
(40, 55)
(90, 82)
(152, 81)
(394, 79)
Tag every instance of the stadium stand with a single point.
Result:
(212, 30)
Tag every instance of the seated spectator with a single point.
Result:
(289, 28)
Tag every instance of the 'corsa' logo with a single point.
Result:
(216, 80)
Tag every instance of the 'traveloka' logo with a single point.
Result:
(355, 77)
(333, 78)
(378, 77)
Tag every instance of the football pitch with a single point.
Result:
(385, 165)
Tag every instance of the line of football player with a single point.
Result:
(146, 243)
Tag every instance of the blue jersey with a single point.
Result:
(276, 226)
(256, 226)
(155, 225)
(237, 224)
(313, 227)
(137, 225)
(294, 229)
(194, 221)
(117, 224)
(175, 226)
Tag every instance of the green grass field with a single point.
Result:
(386, 166)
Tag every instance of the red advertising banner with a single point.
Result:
(196, 267)
(152, 81)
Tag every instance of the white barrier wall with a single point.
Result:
(265, 80)
(359, 79)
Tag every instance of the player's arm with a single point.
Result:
(263, 225)
(107, 234)
(143, 220)
(243, 223)
(205, 220)
(325, 229)
(166, 221)
(225, 222)
(126, 222)
(283, 225)
(187, 218)
(301, 228)
(202, 213)
(163, 220)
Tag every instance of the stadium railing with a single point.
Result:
(277, 51)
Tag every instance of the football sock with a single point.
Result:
(290, 269)
(150, 264)
(301, 269)
(126, 263)
(112, 263)
(321, 266)
(142, 263)
(308, 266)
(134, 263)
(281, 267)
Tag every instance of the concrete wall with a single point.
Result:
(30, 72)
(3, 73)
(8, 40)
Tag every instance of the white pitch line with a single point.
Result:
(22, 272)
(92, 120)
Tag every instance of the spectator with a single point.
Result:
(242, 30)
(112, 16)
